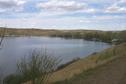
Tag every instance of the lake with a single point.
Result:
(14, 48)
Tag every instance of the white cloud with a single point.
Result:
(123, 1)
(91, 10)
(64, 5)
(107, 17)
(85, 21)
(116, 7)
(11, 5)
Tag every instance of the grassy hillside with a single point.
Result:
(94, 64)
(28, 32)
(95, 35)
(44, 32)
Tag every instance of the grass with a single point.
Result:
(81, 69)
(81, 76)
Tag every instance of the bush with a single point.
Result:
(38, 67)
(12, 79)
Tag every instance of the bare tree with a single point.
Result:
(38, 67)
(2, 35)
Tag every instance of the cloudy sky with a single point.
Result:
(64, 14)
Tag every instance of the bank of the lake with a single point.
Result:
(92, 35)
(106, 67)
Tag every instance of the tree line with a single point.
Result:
(103, 36)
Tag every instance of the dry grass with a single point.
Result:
(88, 63)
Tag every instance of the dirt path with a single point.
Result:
(113, 72)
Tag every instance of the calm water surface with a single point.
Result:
(67, 49)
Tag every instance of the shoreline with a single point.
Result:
(85, 64)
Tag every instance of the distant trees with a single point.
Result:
(122, 36)
(104, 36)
(37, 68)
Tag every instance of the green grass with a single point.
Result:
(107, 54)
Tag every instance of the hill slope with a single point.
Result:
(107, 67)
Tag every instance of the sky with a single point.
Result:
(64, 14)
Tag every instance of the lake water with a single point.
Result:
(14, 48)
